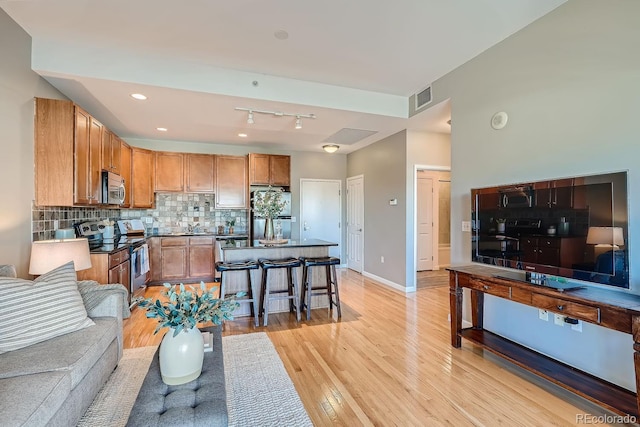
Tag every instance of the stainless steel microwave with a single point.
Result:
(113, 190)
(516, 197)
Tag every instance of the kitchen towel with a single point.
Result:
(144, 259)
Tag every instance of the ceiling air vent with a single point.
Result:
(423, 98)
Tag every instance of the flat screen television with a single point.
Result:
(575, 228)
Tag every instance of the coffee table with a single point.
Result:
(201, 402)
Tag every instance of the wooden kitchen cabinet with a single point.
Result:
(142, 178)
(173, 258)
(88, 158)
(200, 173)
(231, 182)
(269, 169)
(182, 259)
(201, 258)
(111, 145)
(109, 268)
(559, 193)
(125, 171)
(169, 170)
(561, 252)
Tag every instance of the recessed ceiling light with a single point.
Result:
(281, 35)
(139, 96)
(162, 129)
(242, 135)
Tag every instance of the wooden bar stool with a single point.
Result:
(247, 266)
(330, 288)
(267, 294)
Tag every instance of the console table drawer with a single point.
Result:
(569, 308)
(490, 288)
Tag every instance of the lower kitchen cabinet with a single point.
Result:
(182, 259)
(562, 252)
(109, 268)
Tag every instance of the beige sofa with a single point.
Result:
(53, 382)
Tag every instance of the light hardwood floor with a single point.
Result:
(389, 362)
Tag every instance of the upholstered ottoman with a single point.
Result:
(201, 402)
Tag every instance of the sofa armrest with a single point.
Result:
(106, 301)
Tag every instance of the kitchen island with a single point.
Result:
(254, 250)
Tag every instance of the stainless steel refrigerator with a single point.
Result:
(257, 222)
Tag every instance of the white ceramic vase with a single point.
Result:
(181, 356)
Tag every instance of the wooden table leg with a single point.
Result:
(455, 300)
(635, 331)
(477, 309)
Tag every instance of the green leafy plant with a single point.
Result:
(186, 306)
(268, 204)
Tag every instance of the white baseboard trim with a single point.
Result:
(389, 283)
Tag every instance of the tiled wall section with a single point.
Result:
(173, 212)
(44, 218)
(177, 211)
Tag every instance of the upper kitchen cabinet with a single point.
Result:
(269, 169)
(68, 148)
(125, 171)
(88, 154)
(200, 173)
(54, 156)
(111, 152)
(169, 169)
(231, 182)
(560, 193)
(142, 178)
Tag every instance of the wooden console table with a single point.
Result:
(610, 309)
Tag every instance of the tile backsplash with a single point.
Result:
(173, 212)
(177, 211)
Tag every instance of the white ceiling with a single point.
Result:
(351, 63)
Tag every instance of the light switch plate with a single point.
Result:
(293, 219)
(466, 225)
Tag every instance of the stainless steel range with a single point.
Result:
(138, 253)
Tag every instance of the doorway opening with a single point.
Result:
(432, 218)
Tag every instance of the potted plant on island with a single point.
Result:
(182, 348)
(268, 204)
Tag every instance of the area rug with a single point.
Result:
(259, 390)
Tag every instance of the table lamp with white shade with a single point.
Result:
(49, 254)
(605, 239)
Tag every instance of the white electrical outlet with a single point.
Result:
(382, 259)
(466, 225)
(558, 319)
(577, 327)
(543, 315)
(293, 219)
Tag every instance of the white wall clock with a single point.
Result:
(499, 120)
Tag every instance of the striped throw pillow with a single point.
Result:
(35, 311)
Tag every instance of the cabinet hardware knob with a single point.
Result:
(486, 287)
(560, 307)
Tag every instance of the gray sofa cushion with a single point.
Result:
(41, 309)
(7, 270)
(29, 400)
(75, 352)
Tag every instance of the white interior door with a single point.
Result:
(425, 224)
(355, 223)
(320, 212)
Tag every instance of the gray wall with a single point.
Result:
(570, 84)
(383, 165)
(18, 86)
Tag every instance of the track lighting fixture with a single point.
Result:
(298, 117)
